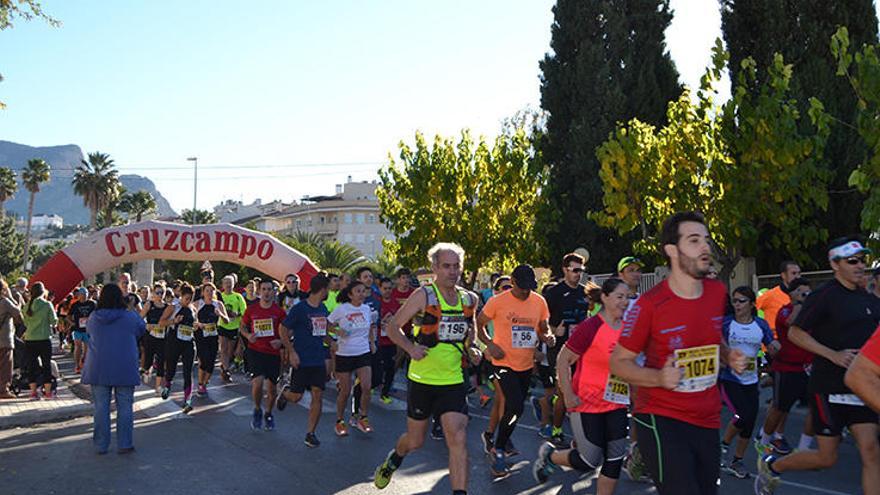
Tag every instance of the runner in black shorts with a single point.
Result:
(837, 319)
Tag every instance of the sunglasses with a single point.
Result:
(740, 300)
(506, 287)
(855, 260)
(293, 281)
(577, 270)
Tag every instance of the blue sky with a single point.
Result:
(315, 90)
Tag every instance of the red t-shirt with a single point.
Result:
(263, 322)
(386, 308)
(790, 357)
(401, 298)
(661, 324)
(871, 349)
(599, 391)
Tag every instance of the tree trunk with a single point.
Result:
(93, 219)
(27, 232)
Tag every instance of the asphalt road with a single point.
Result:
(213, 450)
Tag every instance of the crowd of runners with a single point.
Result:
(641, 377)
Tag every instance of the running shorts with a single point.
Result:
(425, 401)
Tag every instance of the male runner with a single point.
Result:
(677, 325)
(78, 316)
(436, 379)
(235, 307)
(774, 299)
(519, 317)
(837, 319)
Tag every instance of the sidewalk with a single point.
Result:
(72, 400)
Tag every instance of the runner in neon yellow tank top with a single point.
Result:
(436, 382)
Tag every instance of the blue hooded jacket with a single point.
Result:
(113, 357)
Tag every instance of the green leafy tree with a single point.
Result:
(11, 246)
(484, 198)
(725, 162)
(800, 32)
(862, 70)
(34, 176)
(138, 204)
(113, 206)
(97, 181)
(41, 254)
(8, 187)
(200, 217)
(608, 64)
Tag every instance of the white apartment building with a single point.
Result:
(351, 216)
(41, 222)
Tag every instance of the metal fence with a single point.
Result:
(769, 281)
(647, 281)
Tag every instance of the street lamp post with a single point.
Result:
(195, 161)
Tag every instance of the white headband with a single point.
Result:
(846, 250)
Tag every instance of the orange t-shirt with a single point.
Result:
(517, 324)
(771, 302)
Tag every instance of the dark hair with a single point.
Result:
(783, 267)
(111, 298)
(611, 284)
(385, 280)
(209, 284)
(800, 282)
(345, 294)
(572, 258)
(357, 273)
(403, 272)
(266, 281)
(319, 282)
(745, 290)
(186, 289)
(36, 291)
(494, 276)
(500, 281)
(331, 276)
(208, 273)
(669, 233)
(289, 275)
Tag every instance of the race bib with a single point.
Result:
(184, 332)
(156, 331)
(700, 365)
(522, 337)
(209, 329)
(616, 390)
(452, 329)
(319, 326)
(83, 321)
(845, 399)
(264, 328)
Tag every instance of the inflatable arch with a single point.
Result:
(171, 241)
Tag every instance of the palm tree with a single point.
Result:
(333, 255)
(200, 217)
(36, 173)
(96, 180)
(138, 204)
(113, 197)
(8, 187)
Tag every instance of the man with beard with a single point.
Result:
(677, 325)
(774, 299)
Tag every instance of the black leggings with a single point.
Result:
(154, 354)
(742, 401)
(515, 386)
(206, 349)
(600, 438)
(386, 355)
(681, 457)
(38, 361)
(179, 349)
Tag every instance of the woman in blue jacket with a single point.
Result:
(112, 367)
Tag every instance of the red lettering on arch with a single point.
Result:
(265, 249)
(170, 240)
(186, 248)
(248, 246)
(203, 242)
(108, 239)
(132, 245)
(151, 239)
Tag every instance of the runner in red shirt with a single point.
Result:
(863, 376)
(677, 325)
(790, 378)
(261, 326)
(596, 400)
(387, 350)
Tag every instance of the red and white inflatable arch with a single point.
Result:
(171, 241)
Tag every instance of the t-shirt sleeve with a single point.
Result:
(782, 318)
(637, 326)
(336, 315)
(545, 310)
(290, 319)
(247, 318)
(583, 334)
(766, 330)
(871, 349)
(491, 308)
(813, 312)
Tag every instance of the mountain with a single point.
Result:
(57, 195)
